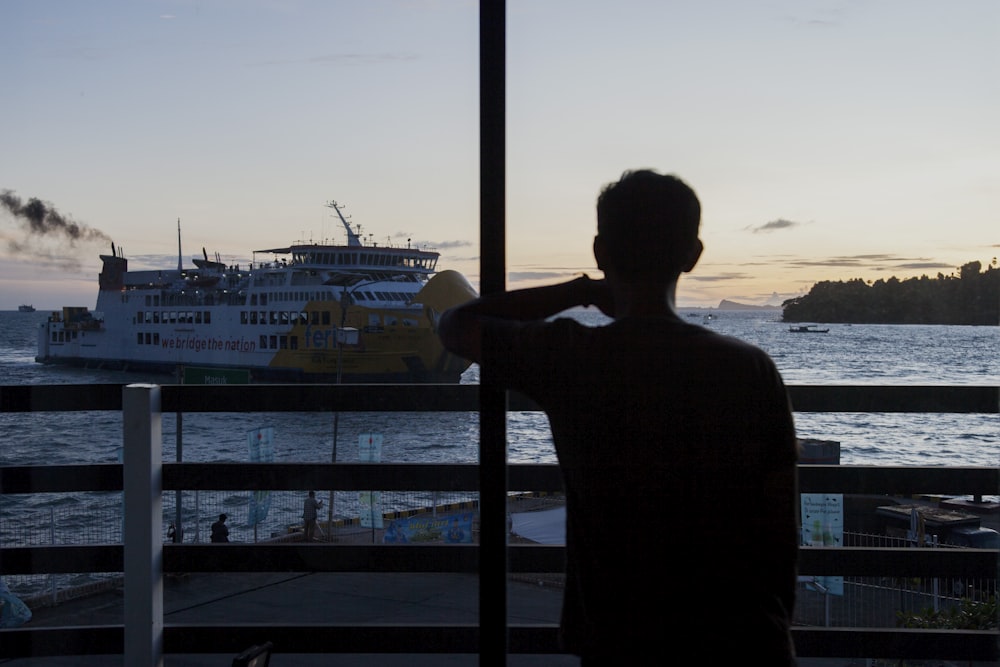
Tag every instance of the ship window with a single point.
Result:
(283, 317)
(283, 342)
(274, 317)
(274, 343)
(253, 299)
(148, 301)
(197, 317)
(263, 298)
(263, 317)
(314, 317)
(139, 339)
(156, 317)
(208, 317)
(156, 338)
(244, 317)
(326, 317)
(149, 338)
(156, 299)
(293, 342)
(263, 342)
(253, 317)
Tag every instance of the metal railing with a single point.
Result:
(144, 478)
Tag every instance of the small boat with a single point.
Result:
(807, 328)
(307, 312)
(25, 308)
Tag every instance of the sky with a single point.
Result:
(826, 140)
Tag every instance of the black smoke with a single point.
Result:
(40, 219)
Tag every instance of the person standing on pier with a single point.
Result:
(676, 444)
(220, 532)
(309, 513)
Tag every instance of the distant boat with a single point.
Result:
(25, 308)
(807, 328)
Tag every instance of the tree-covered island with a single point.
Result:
(971, 297)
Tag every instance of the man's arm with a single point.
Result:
(460, 328)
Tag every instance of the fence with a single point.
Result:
(61, 524)
(143, 521)
(879, 602)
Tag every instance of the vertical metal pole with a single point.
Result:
(143, 487)
(345, 300)
(53, 585)
(179, 494)
(493, 399)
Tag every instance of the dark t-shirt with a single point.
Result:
(670, 438)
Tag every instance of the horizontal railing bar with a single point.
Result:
(62, 559)
(541, 477)
(458, 398)
(298, 557)
(898, 562)
(541, 639)
(916, 398)
(341, 476)
(895, 643)
(900, 480)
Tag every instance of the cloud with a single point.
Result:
(924, 265)
(446, 245)
(519, 276)
(717, 277)
(780, 223)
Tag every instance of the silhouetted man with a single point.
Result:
(676, 445)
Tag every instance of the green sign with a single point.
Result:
(196, 375)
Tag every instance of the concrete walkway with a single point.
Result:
(378, 598)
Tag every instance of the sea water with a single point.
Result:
(848, 354)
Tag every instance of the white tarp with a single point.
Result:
(544, 527)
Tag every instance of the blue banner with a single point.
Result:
(450, 529)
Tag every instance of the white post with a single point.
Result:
(143, 486)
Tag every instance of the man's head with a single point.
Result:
(312, 494)
(223, 517)
(647, 227)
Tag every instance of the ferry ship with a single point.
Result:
(309, 312)
(25, 308)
